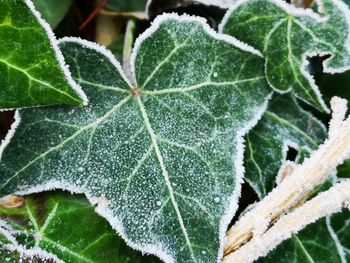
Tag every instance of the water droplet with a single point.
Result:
(215, 75)
(217, 199)
(159, 203)
(203, 252)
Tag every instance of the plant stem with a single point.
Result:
(326, 203)
(295, 187)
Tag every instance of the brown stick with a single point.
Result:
(324, 204)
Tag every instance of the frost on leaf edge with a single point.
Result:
(290, 143)
(58, 54)
(101, 207)
(100, 49)
(10, 133)
(299, 12)
(5, 230)
(338, 244)
(184, 18)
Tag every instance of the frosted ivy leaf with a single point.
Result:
(11, 251)
(65, 226)
(32, 69)
(287, 35)
(162, 158)
(284, 124)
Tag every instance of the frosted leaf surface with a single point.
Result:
(32, 69)
(67, 227)
(163, 159)
(284, 124)
(286, 35)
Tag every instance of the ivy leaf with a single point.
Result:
(316, 243)
(52, 11)
(11, 255)
(284, 124)
(161, 158)
(32, 68)
(68, 227)
(286, 36)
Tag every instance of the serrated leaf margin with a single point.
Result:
(298, 12)
(22, 251)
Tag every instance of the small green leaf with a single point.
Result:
(317, 243)
(284, 124)
(32, 69)
(52, 11)
(68, 227)
(286, 36)
(163, 157)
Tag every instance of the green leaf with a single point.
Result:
(286, 36)
(32, 69)
(68, 227)
(161, 158)
(11, 255)
(317, 243)
(284, 124)
(52, 11)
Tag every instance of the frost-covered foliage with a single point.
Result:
(286, 36)
(165, 142)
